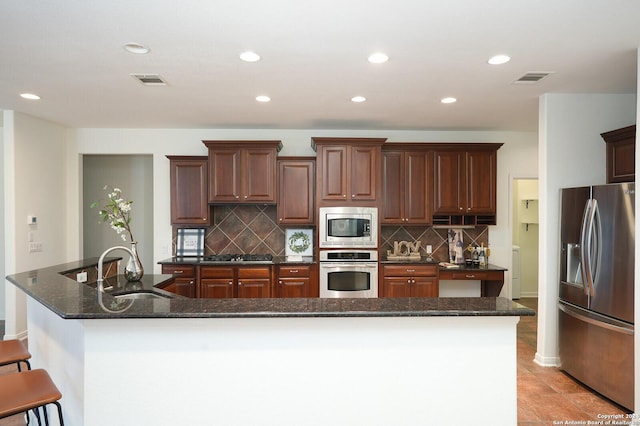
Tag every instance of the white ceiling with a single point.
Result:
(70, 52)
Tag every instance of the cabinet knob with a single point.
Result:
(280, 219)
(460, 208)
(280, 282)
(230, 282)
(237, 196)
(204, 219)
(239, 283)
(245, 197)
(353, 196)
(344, 196)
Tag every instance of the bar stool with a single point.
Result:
(14, 352)
(28, 390)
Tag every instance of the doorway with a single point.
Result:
(524, 277)
(133, 175)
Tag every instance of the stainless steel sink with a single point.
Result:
(141, 294)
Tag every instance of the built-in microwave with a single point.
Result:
(348, 227)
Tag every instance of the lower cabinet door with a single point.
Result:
(424, 287)
(216, 288)
(185, 287)
(294, 287)
(254, 288)
(396, 287)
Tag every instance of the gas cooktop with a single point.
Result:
(263, 258)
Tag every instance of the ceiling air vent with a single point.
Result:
(150, 79)
(531, 77)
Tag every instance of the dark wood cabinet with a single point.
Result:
(406, 185)
(242, 171)
(348, 171)
(465, 184)
(184, 283)
(621, 154)
(297, 281)
(407, 280)
(221, 282)
(296, 190)
(188, 190)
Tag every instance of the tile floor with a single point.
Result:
(546, 394)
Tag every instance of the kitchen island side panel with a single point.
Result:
(284, 371)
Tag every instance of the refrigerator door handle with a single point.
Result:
(591, 243)
(606, 325)
(583, 244)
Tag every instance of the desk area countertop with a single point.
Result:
(72, 300)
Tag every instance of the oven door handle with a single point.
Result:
(334, 265)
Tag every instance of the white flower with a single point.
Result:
(116, 212)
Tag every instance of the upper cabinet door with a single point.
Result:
(481, 182)
(365, 162)
(188, 190)
(259, 175)
(242, 171)
(449, 182)
(333, 186)
(296, 195)
(224, 169)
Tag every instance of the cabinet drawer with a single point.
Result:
(410, 270)
(216, 272)
(294, 271)
(472, 275)
(248, 272)
(185, 271)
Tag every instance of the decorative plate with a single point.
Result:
(299, 242)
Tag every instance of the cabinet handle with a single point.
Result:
(178, 272)
(470, 276)
(411, 270)
(293, 271)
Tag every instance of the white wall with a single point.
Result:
(571, 153)
(35, 184)
(518, 154)
(2, 274)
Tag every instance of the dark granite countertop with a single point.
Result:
(72, 300)
(277, 260)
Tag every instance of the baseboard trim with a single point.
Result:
(551, 361)
(21, 336)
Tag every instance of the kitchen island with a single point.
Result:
(167, 361)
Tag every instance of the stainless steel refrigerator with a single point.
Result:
(596, 288)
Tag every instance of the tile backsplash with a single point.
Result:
(254, 228)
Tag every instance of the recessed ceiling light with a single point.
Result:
(250, 56)
(448, 100)
(30, 96)
(378, 58)
(136, 48)
(499, 60)
(263, 98)
(358, 99)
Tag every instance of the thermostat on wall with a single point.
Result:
(32, 220)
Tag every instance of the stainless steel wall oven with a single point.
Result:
(348, 273)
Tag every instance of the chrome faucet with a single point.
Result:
(133, 269)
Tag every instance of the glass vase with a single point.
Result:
(133, 270)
